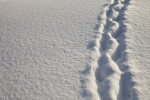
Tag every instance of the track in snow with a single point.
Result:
(113, 79)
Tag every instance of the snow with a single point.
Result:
(43, 47)
(74, 50)
(138, 43)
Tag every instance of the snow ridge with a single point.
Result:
(109, 54)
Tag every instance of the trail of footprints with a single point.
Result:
(110, 42)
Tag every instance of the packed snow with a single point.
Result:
(74, 50)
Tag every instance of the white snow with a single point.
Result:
(43, 47)
(74, 50)
(138, 37)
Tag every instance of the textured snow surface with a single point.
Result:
(74, 50)
(43, 47)
(139, 45)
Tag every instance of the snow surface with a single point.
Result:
(43, 47)
(74, 50)
(138, 36)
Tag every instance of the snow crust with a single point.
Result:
(43, 47)
(139, 44)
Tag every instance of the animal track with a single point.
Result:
(110, 46)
